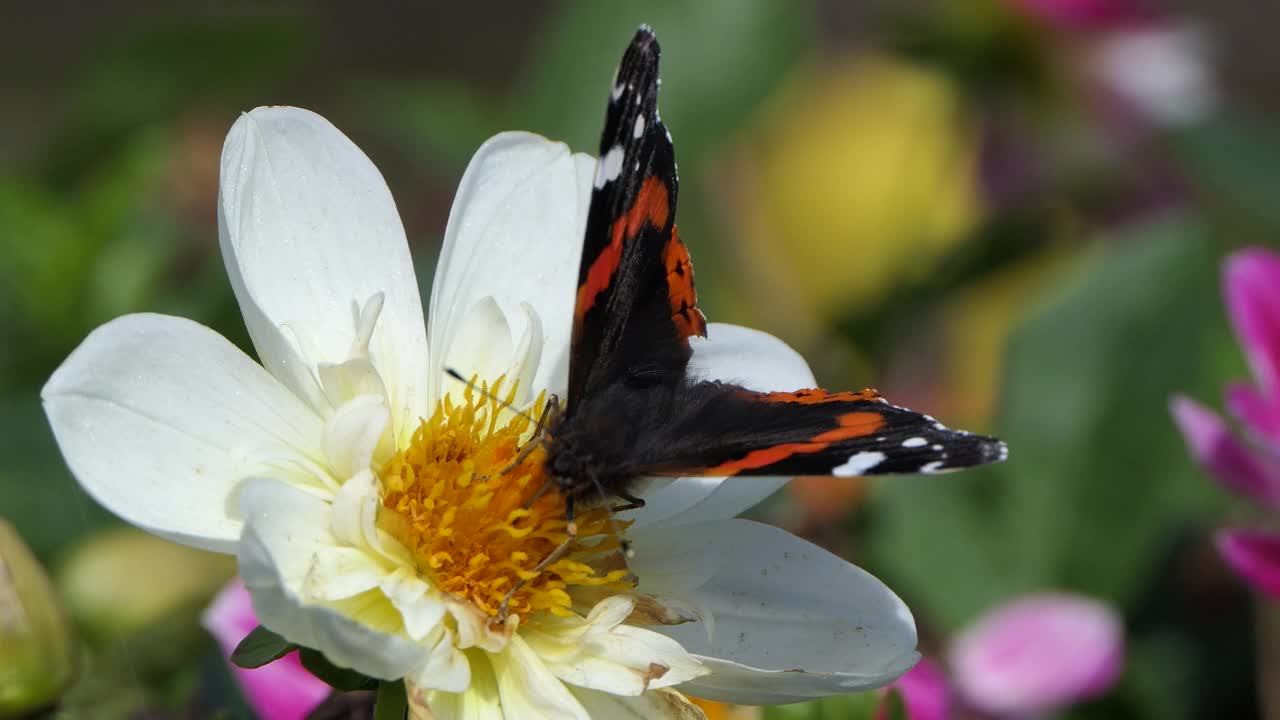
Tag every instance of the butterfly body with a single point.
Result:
(633, 409)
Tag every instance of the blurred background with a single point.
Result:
(1008, 213)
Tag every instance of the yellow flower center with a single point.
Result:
(479, 517)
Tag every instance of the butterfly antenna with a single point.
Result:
(485, 392)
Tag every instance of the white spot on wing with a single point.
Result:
(914, 442)
(931, 468)
(639, 129)
(859, 463)
(616, 92)
(609, 166)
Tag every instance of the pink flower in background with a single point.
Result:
(925, 692)
(283, 690)
(1087, 15)
(1037, 653)
(1033, 654)
(1144, 61)
(1249, 467)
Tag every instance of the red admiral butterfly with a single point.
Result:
(632, 410)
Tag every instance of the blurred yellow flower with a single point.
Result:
(866, 176)
(122, 579)
(37, 650)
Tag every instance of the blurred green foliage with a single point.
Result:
(109, 210)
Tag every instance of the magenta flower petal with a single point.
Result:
(1255, 556)
(1038, 652)
(1257, 413)
(1088, 15)
(1251, 283)
(925, 692)
(283, 690)
(1226, 458)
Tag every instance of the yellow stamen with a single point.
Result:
(446, 497)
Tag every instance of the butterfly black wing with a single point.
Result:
(720, 429)
(636, 306)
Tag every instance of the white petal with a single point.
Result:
(357, 434)
(160, 418)
(310, 235)
(515, 233)
(338, 573)
(528, 357)
(791, 620)
(447, 668)
(353, 514)
(755, 360)
(529, 689)
(285, 530)
(482, 346)
(653, 705)
(480, 701)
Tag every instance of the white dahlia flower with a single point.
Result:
(369, 498)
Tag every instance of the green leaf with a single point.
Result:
(709, 88)
(391, 703)
(859, 706)
(1237, 168)
(259, 648)
(1098, 482)
(339, 678)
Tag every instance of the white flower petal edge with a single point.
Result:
(755, 360)
(286, 535)
(515, 235)
(310, 235)
(783, 620)
(160, 418)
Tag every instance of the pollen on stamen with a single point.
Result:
(456, 501)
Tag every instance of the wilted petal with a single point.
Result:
(282, 690)
(160, 418)
(782, 619)
(1255, 555)
(653, 705)
(1038, 652)
(601, 653)
(1226, 458)
(310, 234)
(755, 360)
(515, 234)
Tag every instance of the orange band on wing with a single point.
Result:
(688, 318)
(765, 456)
(852, 425)
(817, 395)
(652, 206)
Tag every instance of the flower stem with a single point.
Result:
(391, 703)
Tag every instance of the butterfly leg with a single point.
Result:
(571, 530)
(552, 406)
(633, 503)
